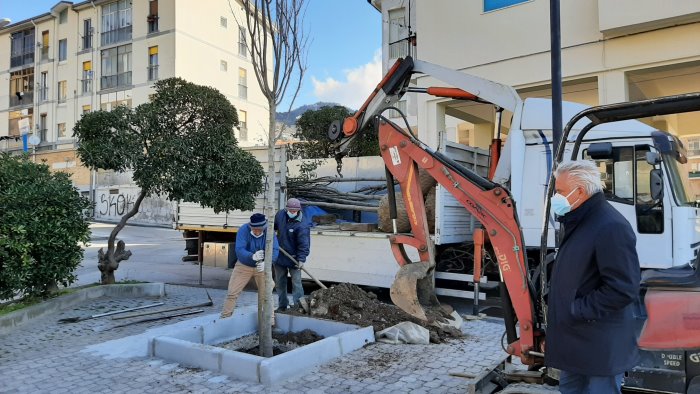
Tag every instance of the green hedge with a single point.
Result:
(42, 223)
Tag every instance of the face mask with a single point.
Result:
(292, 215)
(560, 204)
(257, 236)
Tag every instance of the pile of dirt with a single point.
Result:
(300, 338)
(281, 342)
(350, 304)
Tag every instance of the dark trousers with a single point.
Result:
(574, 383)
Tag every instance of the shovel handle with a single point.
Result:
(302, 268)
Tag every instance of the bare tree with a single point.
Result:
(277, 45)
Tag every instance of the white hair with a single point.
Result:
(582, 173)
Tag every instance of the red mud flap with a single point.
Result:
(673, 322)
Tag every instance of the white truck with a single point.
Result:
(652, 196)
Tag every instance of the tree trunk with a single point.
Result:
(109, 262)
(265, 304)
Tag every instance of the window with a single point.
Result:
(243, 125)
(62, 91)
(22, 87)
(86, 109)
(16, 119)
(87, 33)
(42, 128)
(224, 22)
(492, 5)
(61, 130)
(627, 179)
(45, 45)
(398, 33)
(44, 86)
(86, 82)
(152, 63)
(63, 16)
(224, 65)
(152, 18)
(242, 43)
(693, 146)
(116, 22)
(116, 67)
(22, 48)
(242, 84)
(62, 49)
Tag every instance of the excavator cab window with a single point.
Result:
(627, 176)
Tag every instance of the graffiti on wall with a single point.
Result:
(115, 204)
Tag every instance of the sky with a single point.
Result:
(344, 57)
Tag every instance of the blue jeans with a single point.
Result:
(574, 383)
(281, 285)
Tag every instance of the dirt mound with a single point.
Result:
(350, 304)
(301, 338)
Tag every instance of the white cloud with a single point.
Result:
(356, 86)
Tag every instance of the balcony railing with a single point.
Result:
(87, 41)
(113, 81)
(116, 35)
(153, 72)
(27, 98)
(243, 49)
(398, 49)
(86, 86)
(22, 59)
(243, 92)
(43, 134)
(62, 99)
(152, 24)
(45, 53)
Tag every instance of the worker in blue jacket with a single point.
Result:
(295, 238)
(595, 281)
(250, 252)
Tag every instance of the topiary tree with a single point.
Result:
(312, 131)
(179, 145)
(41, 228)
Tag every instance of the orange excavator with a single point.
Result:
(492, 205)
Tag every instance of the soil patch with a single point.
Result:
(281, 342)
(350, 304)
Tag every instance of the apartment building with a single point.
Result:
(88, 55)
(612, 51)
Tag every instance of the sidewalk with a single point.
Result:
(44, 356)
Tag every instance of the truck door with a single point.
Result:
(626, 175)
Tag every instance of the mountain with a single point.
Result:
(289, 118)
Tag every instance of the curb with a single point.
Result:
(13, 320)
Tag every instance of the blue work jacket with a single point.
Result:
(247, 244)
(294, 236)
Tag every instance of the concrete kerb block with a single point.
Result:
(188, 353)
(295, 362)
(241, 366)
(325, 328)
(222, 330)
(356, 339)
(194, 334)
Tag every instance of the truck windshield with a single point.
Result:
(678, 176)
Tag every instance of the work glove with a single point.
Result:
(259, 255)
(260, 266)
(301, 264)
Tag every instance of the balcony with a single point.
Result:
(153, 72)
(26, 98)
(113, 81)
(116, 35)
(86, 86)
(398, 49)
(617, 17)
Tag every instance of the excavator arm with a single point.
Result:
(403, 154)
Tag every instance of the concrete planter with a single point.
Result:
(193, 347)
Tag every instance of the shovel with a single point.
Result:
(77, 319)
(177, 308)
(302, 268)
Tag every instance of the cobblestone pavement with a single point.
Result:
(44, 356)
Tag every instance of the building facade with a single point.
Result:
(612, 51)
(99, 54)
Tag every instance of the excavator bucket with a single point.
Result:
(413, 289)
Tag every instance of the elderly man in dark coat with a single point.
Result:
(295, 238)
(595, 280)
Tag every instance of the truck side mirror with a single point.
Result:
(653, 158)
(656, 183)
